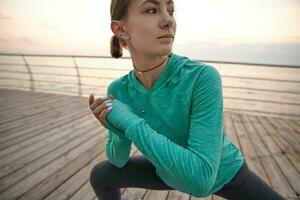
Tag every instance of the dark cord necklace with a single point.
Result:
(141, 72)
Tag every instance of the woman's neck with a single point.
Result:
(141, 64)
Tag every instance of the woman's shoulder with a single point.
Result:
(198, 69)
(117, 84)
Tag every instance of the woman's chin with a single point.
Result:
(166, 50)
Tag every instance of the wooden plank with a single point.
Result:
(246, 146)
(13, 97)
(74, 183)
(297, 122)
(20, 187)
(12, 116)
(18, 120)
(33, 133)
(47, 125)
(278, 181)
(40, 139)
(23, 105)
(13, 92)
(285, 148)
(204, 198)
(288, 127)
(175, 194)
(285, 134)
(257, 113)
(86, 192)
(67, 180)
(19, 159)
(256, 147)
(13, 130)
(156, 194)
(275, 158)
(229, 129)
(216, 197)
(262, 107)
(294, 126)
(254, 162)
(45, 159)
(290, 172)
(267, 96)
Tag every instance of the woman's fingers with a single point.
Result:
(96, 102)
(91, 99)
(103, 114)
(101, 107)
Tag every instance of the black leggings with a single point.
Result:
(106, 179)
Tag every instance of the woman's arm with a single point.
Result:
(117, 149)
(118, 145)
(191, 169)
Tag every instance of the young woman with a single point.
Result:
(171, 108)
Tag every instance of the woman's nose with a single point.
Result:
(167, 20)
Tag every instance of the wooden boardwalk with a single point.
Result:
(50, 142)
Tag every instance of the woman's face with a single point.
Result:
(151, 27)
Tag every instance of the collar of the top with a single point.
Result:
(165, 75)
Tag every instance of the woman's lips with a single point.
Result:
(166, 38)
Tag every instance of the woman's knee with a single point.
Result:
(100, 173)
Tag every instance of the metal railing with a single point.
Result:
(31, 74)
(82, 88)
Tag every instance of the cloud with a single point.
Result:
(49, 26)
(26, 40)
(285, 53)
(2, 17)
(2, 39)
(19, 40)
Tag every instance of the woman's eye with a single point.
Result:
(151, 11)
(171, 12)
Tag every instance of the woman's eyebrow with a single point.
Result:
(156, 2)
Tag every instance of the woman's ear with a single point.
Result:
(117, 28)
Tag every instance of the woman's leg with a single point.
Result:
(106, 179)
(246, 185)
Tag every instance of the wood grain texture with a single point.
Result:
(50, 142)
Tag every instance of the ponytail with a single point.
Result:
(118, 11)
(115, 47)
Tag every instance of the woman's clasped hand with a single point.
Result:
(110, 111)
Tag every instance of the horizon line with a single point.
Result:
(126, 57)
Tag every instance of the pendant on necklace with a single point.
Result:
(140, 73)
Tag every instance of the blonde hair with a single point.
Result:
(118, 11)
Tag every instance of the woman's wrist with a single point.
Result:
(121, 115)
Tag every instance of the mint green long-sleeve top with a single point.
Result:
(177, 126)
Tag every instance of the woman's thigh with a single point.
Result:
(252, 187)
(138, 172)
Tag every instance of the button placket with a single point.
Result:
(144, 96)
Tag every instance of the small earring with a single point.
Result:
(123, 42)
(124, 36)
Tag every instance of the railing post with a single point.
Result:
(78, 76)
(32, 88)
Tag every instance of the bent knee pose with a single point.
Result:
(171, 108)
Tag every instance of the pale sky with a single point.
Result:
(265, 31)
